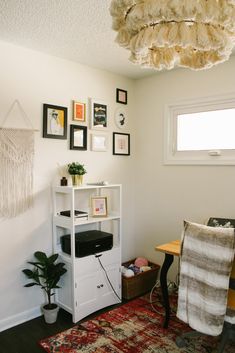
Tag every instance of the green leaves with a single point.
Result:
(28, 273)
(76, 168)
(41, 256)
(53, 258)
(31, 284)
(46, 273)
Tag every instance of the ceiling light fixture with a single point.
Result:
(161, 34)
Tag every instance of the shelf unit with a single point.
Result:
(85, 287)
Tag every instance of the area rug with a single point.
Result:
(134, 327)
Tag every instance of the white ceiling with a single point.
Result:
(79, 30)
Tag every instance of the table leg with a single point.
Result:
(163, 281)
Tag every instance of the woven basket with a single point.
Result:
(141, 283)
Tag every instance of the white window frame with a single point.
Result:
(174, 157)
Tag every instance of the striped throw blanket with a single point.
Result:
(207, 255)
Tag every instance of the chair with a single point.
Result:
(228, 331)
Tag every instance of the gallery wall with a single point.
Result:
(33, 79)
(175, 193)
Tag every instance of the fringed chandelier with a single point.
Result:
(161, 34)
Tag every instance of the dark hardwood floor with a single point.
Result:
(24, 338)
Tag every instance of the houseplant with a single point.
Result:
(46, 274)
(76, 170)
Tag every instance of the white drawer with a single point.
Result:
(90, 264)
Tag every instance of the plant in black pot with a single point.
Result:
(46, 274)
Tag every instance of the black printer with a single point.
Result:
(88, 243)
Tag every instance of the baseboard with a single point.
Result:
(19, 318)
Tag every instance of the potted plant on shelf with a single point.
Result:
(76, 170)
(46, 274)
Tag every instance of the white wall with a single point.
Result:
(34, 78)
(166, 195)
(156, 198)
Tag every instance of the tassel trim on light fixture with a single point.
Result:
(163, 33)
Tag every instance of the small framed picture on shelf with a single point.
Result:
(99, 142)
(79, 112)
(121, 144)
(99, 206)
(54, 121)
(99, 115)
(78, 137)
(121, 96)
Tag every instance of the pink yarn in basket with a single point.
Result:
(141, 261)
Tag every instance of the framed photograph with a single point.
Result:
(79, 112)
(78, 137)
(121, 118)
(121, 96)
(99, 117)
(121, 144)
(99, 142)
(54, 121)
(99, 206)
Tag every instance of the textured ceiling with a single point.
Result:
(79, 30)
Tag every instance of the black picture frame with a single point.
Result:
(78, 137)
(121, 144)
(121, 96)
(221, 222)
(55, 121)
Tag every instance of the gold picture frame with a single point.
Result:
(79, 112)
(99, 206)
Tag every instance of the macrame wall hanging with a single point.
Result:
(16, 167)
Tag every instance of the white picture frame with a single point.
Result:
(99, 114)
(121, 118)
(99, 142)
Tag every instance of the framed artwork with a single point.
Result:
(121, 118)
(54, 121)
(99, 117)
(221, 222)
(79, 112)
(99, 206)
(121, 96)
(78, 137)
(99, 142)
(121, 144)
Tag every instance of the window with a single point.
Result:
(200, 132)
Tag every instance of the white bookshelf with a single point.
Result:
(84, 287)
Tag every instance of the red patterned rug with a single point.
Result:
(131, 328)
